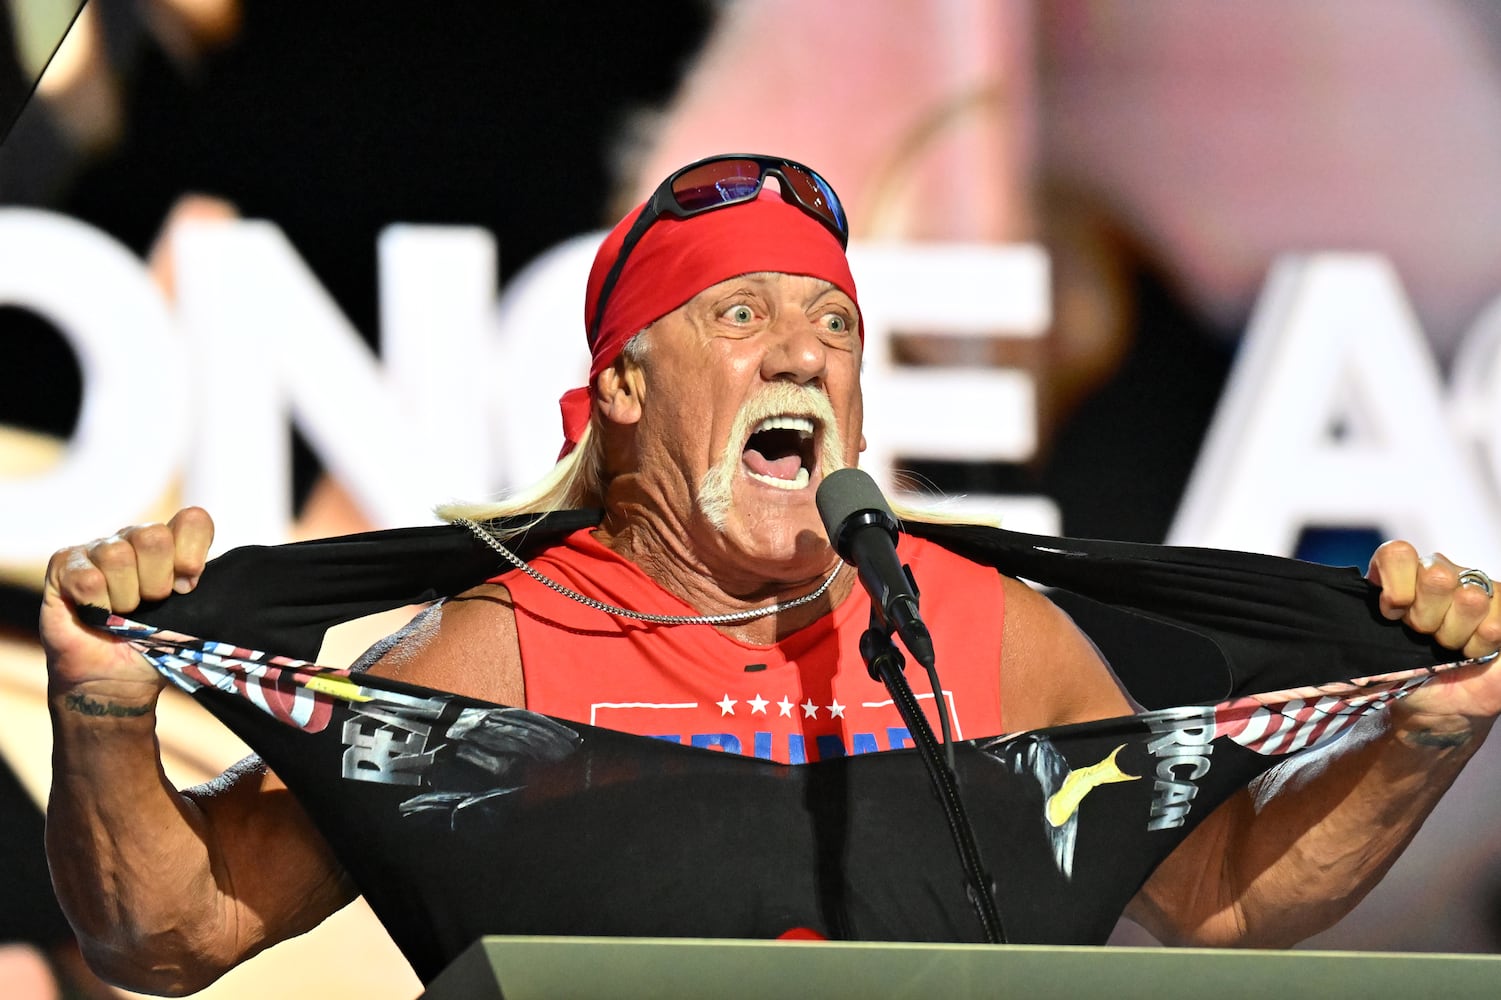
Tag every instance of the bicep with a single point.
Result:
(276, 874)
(1051, 673)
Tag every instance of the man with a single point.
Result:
(726, 339)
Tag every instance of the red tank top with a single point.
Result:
(807, 697)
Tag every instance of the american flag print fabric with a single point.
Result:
(1307, 718)
(292, 691)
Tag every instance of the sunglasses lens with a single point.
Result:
(816, 195)
(717, 183)
(727, 181)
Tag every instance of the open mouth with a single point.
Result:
(780, 452)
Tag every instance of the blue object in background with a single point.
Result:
(1339, 546)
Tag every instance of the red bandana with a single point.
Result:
(678, 258)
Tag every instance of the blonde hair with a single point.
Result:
(576, 481)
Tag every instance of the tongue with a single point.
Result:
(777, 468)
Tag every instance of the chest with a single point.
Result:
(806, 698)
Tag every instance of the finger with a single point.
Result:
(71, 573)
(193, 534)
(1437, 580)
(1394, 568)
(1486, 638)
(154, 559)
(116, 559)
(1468, 608)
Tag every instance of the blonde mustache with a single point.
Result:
(715, 494)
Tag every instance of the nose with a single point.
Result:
(796, 352)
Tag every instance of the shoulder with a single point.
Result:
(949, 575)
(465, 644)
(1051, 673)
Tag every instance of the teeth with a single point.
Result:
(802, 425)
(782, 484)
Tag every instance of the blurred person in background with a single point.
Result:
(1164, 154)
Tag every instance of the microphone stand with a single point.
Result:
(885, 663)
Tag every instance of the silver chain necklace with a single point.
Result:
(485, 536)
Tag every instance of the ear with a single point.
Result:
(619, 390)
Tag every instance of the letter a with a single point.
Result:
(1334, 415)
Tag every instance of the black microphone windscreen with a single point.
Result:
(844, 494)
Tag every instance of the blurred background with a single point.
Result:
(1169, 158)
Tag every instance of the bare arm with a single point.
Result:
(1051, 674)
(1288, 857)
(165, 890)
(1297, 851)
(1314, 836)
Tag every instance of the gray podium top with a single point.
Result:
(580, 968)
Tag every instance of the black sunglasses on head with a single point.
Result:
(717, 182)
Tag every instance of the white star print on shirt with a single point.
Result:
(786, 707)
(836, 710)
(758, 704)
(727, 706)
(810, 710)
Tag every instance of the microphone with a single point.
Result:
(863, 531)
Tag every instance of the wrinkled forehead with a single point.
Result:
(679, 258)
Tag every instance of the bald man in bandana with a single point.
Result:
(726, 338)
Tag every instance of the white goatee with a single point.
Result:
(778, 399)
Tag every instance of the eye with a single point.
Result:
(835, 322)
(739, 314)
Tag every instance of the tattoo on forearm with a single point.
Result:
(1430, 738)
(84, 705)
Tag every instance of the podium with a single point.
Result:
(581, 968)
